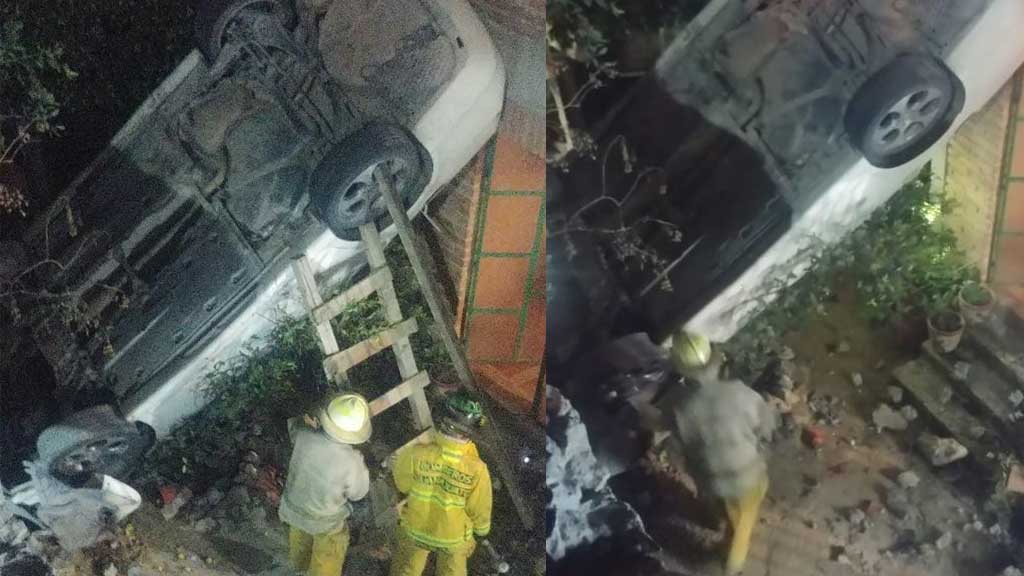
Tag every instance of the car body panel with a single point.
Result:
(198, 263)
(985, 55)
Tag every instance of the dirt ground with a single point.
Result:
(839, 509)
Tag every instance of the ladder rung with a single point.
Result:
(419, 381)
(359, 291)
(344, 361)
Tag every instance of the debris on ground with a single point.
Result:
(825, 408)
(843, 347)
(1011, 571)
(857, 379)
(1015, 479)
(941, 451)
(813, 437)
(896, 394)
(1016, 397)
(960, 370)
(909, 413)
(885, 417)
(898, 503)
(944, 541)
(180, 498)
(908, 479)
(786, 353)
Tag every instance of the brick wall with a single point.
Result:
(1006, 271)
(974, 160)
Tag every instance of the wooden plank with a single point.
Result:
(443, 319)
(344, 361)
(393, 312)
(399, 393)
(306, 281)
(359, 291)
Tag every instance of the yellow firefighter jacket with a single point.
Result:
(449, 492)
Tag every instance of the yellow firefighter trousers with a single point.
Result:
(320, 554)
(743, 514)
(410, 560)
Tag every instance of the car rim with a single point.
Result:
(87, 457)
(908, 119)
(362, 199)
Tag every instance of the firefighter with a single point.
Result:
(448, 490)
(720, 428)
(326, 473)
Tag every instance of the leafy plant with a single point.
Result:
(31, 76)
(904, 259)
(976, 294)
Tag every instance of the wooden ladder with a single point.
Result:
(338, 362)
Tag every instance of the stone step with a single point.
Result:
(1001, 339)
(926, 385)
(983, 387)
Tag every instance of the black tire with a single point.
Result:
(96, 441)
(342, 189)
(903, 109)
(213, 17)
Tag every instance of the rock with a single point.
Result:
(944, 541)
(1011, 571)
(206, 525)
(248, 470)
(843, 347)
(136, 571)
(978, 432)
(786, 383)
(885, 417)
(941, 451)
(857, 379)
(251, 457)
(1015, 479)
(857, 517)
(110, 571)
(896, 394)
(909, 413)
(908, 479)
(898, 503)
(786, 353)
(844, 560)
(880, 364)
(1016, 398)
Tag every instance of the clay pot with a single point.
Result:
(975, 301)
(945, 330)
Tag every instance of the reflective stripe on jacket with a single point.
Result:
(449, 492)
(323, 477)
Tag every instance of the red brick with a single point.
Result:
(511, 223)
(493, 336)
(501, 282)
(532, 347)
(515, 168)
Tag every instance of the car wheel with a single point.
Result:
(93, 441)
(215, 17)
(903, 109)
(343, 190)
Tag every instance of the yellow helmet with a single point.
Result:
(346, 418)
(690, 351)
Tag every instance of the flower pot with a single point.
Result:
(975, 301)
(945, 330)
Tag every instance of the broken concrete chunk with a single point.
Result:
(941, 451)
(180, 499)
(898, 503)
(843, 347)
(110, 571)
(857, 379)
(1016, 398)
(885, 417)
(944, 541)
(786, 353)
(896, 394)
(1015, 479)
(1011, 571)
(909, 412)
(857, 517)
(908, 479)
(978, 432)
